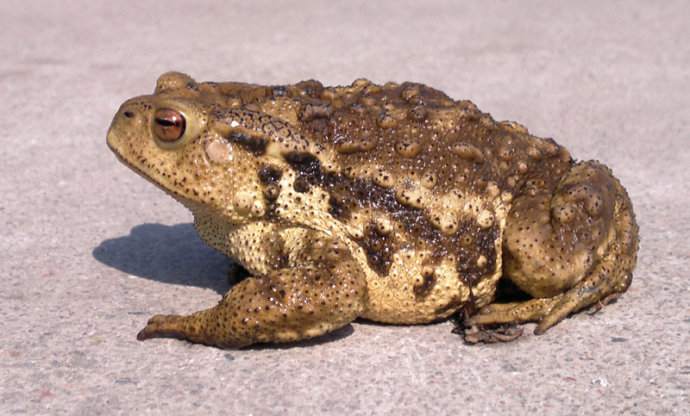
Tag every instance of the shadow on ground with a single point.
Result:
(167, 253)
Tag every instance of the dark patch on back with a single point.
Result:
(308, 169)
(270, 175)
(306, 163)
(483, 242)
(423, 289)
(378, 249)
(255, 144)
(348, 194)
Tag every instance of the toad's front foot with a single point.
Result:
(190, 328)
(320, 292)
(162, 325)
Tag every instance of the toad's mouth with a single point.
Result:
(184, 200)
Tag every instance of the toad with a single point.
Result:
(393, 203)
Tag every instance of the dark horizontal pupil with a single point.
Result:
(167, 122)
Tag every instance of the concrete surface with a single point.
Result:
(88, 250)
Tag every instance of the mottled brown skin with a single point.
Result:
(392, 203)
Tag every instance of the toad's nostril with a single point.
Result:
(128, 114)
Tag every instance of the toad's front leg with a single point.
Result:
(322, 288)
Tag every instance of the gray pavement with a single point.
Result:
(88, 250)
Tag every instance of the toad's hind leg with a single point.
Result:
(568, 250)
(322, 289)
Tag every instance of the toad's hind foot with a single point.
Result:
(569, 251)
(491, 335)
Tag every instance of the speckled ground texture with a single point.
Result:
(88, 250)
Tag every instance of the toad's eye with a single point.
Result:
(168, 124)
